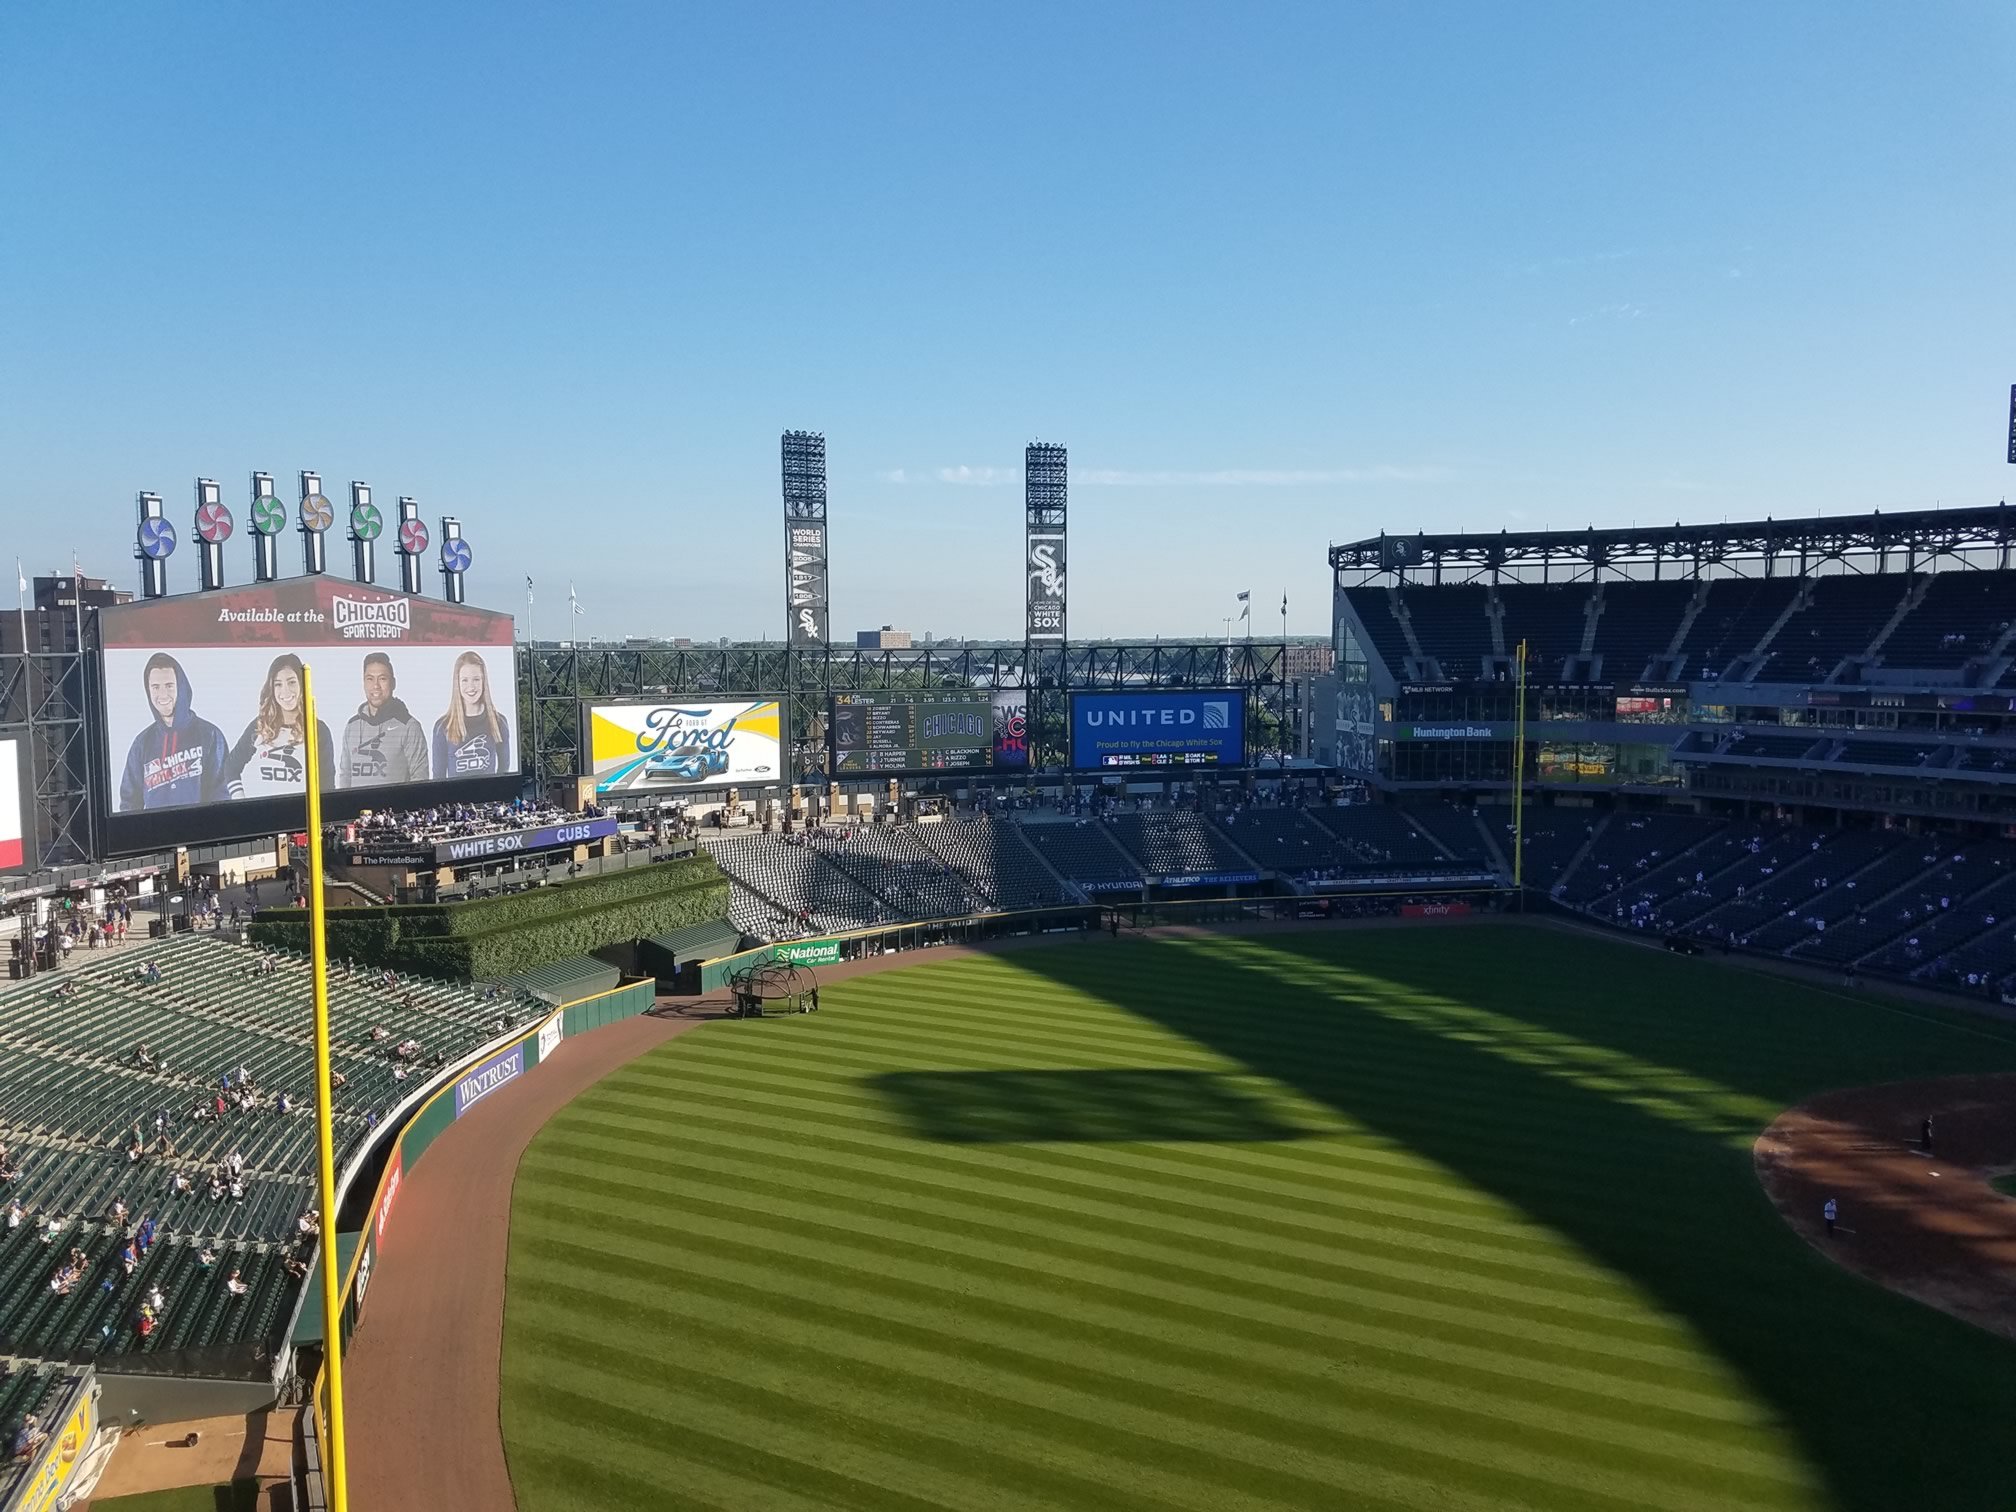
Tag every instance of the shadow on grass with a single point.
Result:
(1009, 1107)
(1608, 1094)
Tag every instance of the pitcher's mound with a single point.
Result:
(1928, 1225)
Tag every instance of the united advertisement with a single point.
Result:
(676, 746)
(1168, 728)
(205, 732)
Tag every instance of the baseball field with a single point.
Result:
(1451, 1218)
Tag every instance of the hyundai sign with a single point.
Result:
(1172, 728)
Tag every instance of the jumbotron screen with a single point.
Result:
(416, 702)
(903, 730)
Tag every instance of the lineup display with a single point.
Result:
(906, 730)
(416, 702)
(1167, 728)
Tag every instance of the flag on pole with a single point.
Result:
(528, 591)
(573, 602)
(1284, 606)
(20, 578)
(1246, 604)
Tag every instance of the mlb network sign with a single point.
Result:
(1166, 728)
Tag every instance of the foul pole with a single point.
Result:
(1519, 785)
(325, 1113)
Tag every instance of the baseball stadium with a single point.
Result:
(1549, 1046)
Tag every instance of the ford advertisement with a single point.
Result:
(1167, 728)
(678, 746)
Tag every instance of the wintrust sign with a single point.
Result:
(488, 1077)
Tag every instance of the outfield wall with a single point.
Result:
(832, 949)
(488, 1072)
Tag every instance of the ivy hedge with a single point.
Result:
(493, 937)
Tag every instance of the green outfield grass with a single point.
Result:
(1460, 1219)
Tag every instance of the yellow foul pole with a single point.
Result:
(335, 1460)
(1519, 784)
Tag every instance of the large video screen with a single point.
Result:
(416, 700)
(13, 846)
(911, 730)
(677, 746)
(1011, 728)
(1174, 727)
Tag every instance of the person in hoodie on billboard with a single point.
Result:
(179, 758)
(383, 744)
(472, 738)
(271, 757)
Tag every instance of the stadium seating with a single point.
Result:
(1379, 837)
(1081, 850)
(892, 863)
(1962, 615)
(1455, 827)
(1550, 618)
(1389, 638)
(1638, 623)
(1738, 613)
(1632, 850)
(1451, 625)
(1175, 842)
(1554, 838)
(995, 860)
(29, 1386)
(1286, 840)
(75, 1094)
(1841, 619)
(796, 880)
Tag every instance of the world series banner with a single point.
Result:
(204, 722)
(669, 748)
(805, 550)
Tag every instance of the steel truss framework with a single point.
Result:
(1913, 541)
(43, 696)
(559, 680)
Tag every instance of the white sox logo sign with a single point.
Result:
(1046, 586)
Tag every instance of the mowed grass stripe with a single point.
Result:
(1498, 1243)
(1260, 1353)
(1052, 1250)
(1476, 1278)
(1127, 1443)
(1185, 1388)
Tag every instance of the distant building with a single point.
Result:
(888, 638)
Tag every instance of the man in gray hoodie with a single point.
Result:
(383, 744)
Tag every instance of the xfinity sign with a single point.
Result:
(1165, 728)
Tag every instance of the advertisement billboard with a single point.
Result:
(498, 1071)
(416, 701)
(805, 547)
(1011, 729)
(678, 747)
(13, 844)
(905, 730)
(1173, 727)
(1045, 597)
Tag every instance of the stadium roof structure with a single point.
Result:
(1910, 541)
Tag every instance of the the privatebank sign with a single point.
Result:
(1200, 727)
(488, 1077)
(511, 842)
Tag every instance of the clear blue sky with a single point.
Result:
(1276, 275)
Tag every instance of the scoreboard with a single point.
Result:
(911, 730)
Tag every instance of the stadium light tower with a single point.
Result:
(455, 559)
(366, 525)
(412, 545)
(153, 544)
(806, 608)
(213, 529)
(269, 518)
(315, 517)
